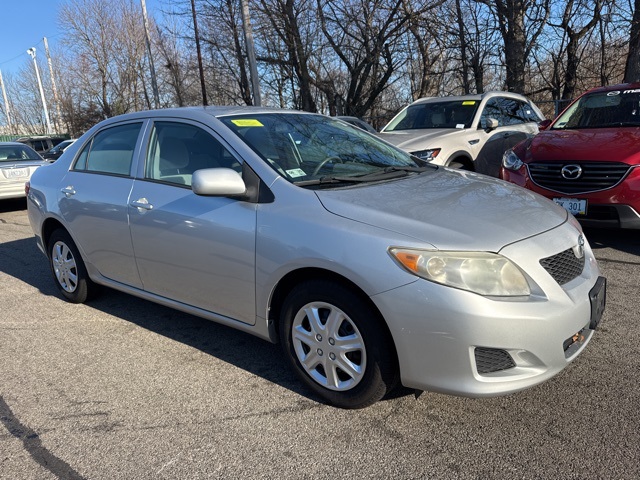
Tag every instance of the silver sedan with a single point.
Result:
(369, 266)
(17, 164)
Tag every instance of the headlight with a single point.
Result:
(427, 155)
(510, 161)
(480, 272)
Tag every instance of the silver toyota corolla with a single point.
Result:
(368, 265)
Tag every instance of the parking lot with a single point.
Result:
(123, 388)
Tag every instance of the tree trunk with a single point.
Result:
(632, 67)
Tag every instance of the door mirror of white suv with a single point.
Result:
(491, 124)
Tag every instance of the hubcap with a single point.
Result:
(329, 346)
(64, 267)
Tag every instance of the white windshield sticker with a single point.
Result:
(296, 172)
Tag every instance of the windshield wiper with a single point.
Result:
(327, 180)
(386, 173)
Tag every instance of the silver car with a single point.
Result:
(17, 164)
(369, 266)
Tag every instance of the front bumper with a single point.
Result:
(446, 339)
(616, 207)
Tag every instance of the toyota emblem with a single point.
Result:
(571, 172)
(580, 252)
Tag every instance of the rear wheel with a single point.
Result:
(68, 268)
(337, 344)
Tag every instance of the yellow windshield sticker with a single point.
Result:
(469, 102)
(247, 122)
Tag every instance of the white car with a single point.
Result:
(470, 131)
(17, 164)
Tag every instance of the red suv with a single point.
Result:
(587, 159)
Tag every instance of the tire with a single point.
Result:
(68, 269)
(337, 344)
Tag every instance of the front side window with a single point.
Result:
(110, 151)
(308, 149)
(491, 110)
(176, 150)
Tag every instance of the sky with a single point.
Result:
(26, 22)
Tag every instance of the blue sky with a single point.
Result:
(26, 22)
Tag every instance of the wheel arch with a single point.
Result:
(49, 226)
(295, 277)
(464, 158)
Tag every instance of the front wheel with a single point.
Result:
(68, 268)
(337, 344)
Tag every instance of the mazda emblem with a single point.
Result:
(571, 172)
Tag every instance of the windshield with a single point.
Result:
(306, 149)
(11, 153)
(449, 114)
(616, 108)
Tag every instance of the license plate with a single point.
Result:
(573, 205)
(17, 172)
(598, 297)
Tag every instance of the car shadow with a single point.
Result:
(623, 240)
(22, 260)
(13, 204)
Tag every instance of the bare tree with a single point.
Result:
(521, 22)
(107, 38)
(291, 23)
(587, 11)
(632, 66)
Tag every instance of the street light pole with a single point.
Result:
(56, 99)
(251, 54)
(152, 68)
(200, 68)
(32, 53)
(7, 108)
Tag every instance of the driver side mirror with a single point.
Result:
(491, 124)
(219, 182)
(543, 125)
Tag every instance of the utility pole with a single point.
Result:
(195, 29)
(56, 99)
(154, 81)
(32, 53)
(251, 54)
(7, 109)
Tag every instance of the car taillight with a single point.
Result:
(27, 186)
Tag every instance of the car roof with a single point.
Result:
(619, 86)
(13, 144)
(214, 111)
(477, 97)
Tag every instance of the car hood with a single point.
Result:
(595, 144)
(455, 210)
(412, 140)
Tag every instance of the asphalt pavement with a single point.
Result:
(121, 388)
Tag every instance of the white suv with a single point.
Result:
(469, 131)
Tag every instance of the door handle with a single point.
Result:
(68, 191)
(142, 204)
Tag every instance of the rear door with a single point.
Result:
(93, 200)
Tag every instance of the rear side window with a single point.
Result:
(110, 150)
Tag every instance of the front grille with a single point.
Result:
(595, 176)
(490, 360)
(564, 266)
